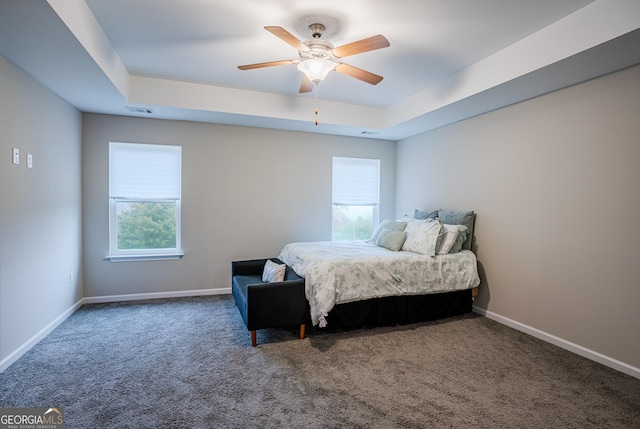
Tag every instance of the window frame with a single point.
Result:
(118, 255)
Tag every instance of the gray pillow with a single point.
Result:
(421, 214)
(390, 239)
(450, 235)
(461, 238)
(386, 224)
(460, 218)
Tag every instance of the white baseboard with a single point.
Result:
(154, 295)
(567, 345)
(16, 354)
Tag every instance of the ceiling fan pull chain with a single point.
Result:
(317, 104)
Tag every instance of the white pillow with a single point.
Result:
(422, 236)
(448, 238)
(273, 273)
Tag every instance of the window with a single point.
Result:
(355, 194)
(144, 201)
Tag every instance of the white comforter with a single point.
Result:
(336, 272)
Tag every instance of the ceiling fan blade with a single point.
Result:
(357, 73)
(364, 45)
(267, 64)
(287, 37)
(306, 85)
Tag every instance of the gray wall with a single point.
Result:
(556, 184)
(554, 181)
(246, 193)
(40, 208)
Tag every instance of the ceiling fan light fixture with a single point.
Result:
(316, 69)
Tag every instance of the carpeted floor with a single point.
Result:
(188, 363)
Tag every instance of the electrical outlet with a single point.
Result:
(16, 155)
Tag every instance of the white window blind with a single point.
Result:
(144, 171)
(355, 181)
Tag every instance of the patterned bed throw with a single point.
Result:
(337, 272)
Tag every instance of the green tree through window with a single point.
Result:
(146, 225)
(348, 225)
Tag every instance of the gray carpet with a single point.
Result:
(188, 363)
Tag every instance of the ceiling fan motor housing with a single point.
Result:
(320, 49)
(317, 30)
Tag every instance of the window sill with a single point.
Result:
(137, 258)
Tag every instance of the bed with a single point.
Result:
(375, 282)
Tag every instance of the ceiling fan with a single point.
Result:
(318, 57)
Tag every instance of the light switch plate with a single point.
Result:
(16, 155)
(29, 160)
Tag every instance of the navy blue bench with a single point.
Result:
(268, 305)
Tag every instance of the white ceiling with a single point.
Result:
(448, 59)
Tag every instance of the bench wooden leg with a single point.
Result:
(302, 328)
(253, 338)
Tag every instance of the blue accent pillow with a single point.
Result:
(421, 214)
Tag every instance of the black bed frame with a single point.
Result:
(399, 310)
